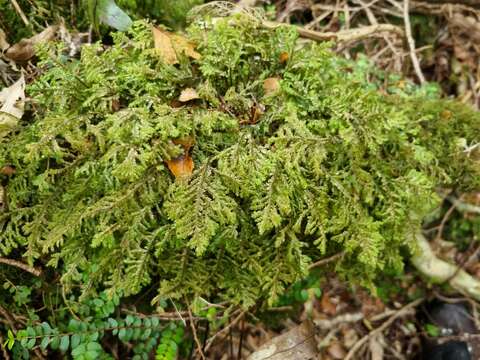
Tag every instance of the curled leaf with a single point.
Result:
(181, 166)
(25, 49)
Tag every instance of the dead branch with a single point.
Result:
(345, 35)
(411, 41)
(194, 331)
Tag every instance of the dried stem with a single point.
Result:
(21, 265)
(411, 42)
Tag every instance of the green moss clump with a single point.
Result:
(321, 165)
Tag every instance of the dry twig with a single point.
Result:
(224, 330)
(19, 11)
(194, 331)
(411, 42)
(21, 265)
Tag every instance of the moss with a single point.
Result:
(321, 165)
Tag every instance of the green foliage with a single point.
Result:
(82, 338)
(169, 343)
(322, 165)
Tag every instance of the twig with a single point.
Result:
(21, 265)
(194, 331)
(344, 35)
(18, 9)
(403, 311)
(411, 42)
(327, 260)
(225, 329)
(443, 222)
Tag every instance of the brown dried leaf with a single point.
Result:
(181, 166)
(327, 306)
(188, 94)
(296, 344)
(271, 85)
(25, 48)
(169, 45)
(12, 102)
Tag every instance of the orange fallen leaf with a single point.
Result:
(188, 94)
(169, 45)
(271, 85)
(25, 48)
(284, 57)
(181, 166)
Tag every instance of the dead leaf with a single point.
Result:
(7, 170)
(327, 306)
(336, 350)
(4, 45)
(271, 85)
(296, 344)
(169, 45)
(25, 48)
(188, 94)
(284, 57)
(181, 166)
(12, 102)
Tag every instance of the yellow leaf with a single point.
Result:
(188, 94)
(170, 45)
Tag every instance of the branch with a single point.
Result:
(411, 42)
(20, 265)
(344, 35)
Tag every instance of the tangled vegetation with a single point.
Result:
(221, 172)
